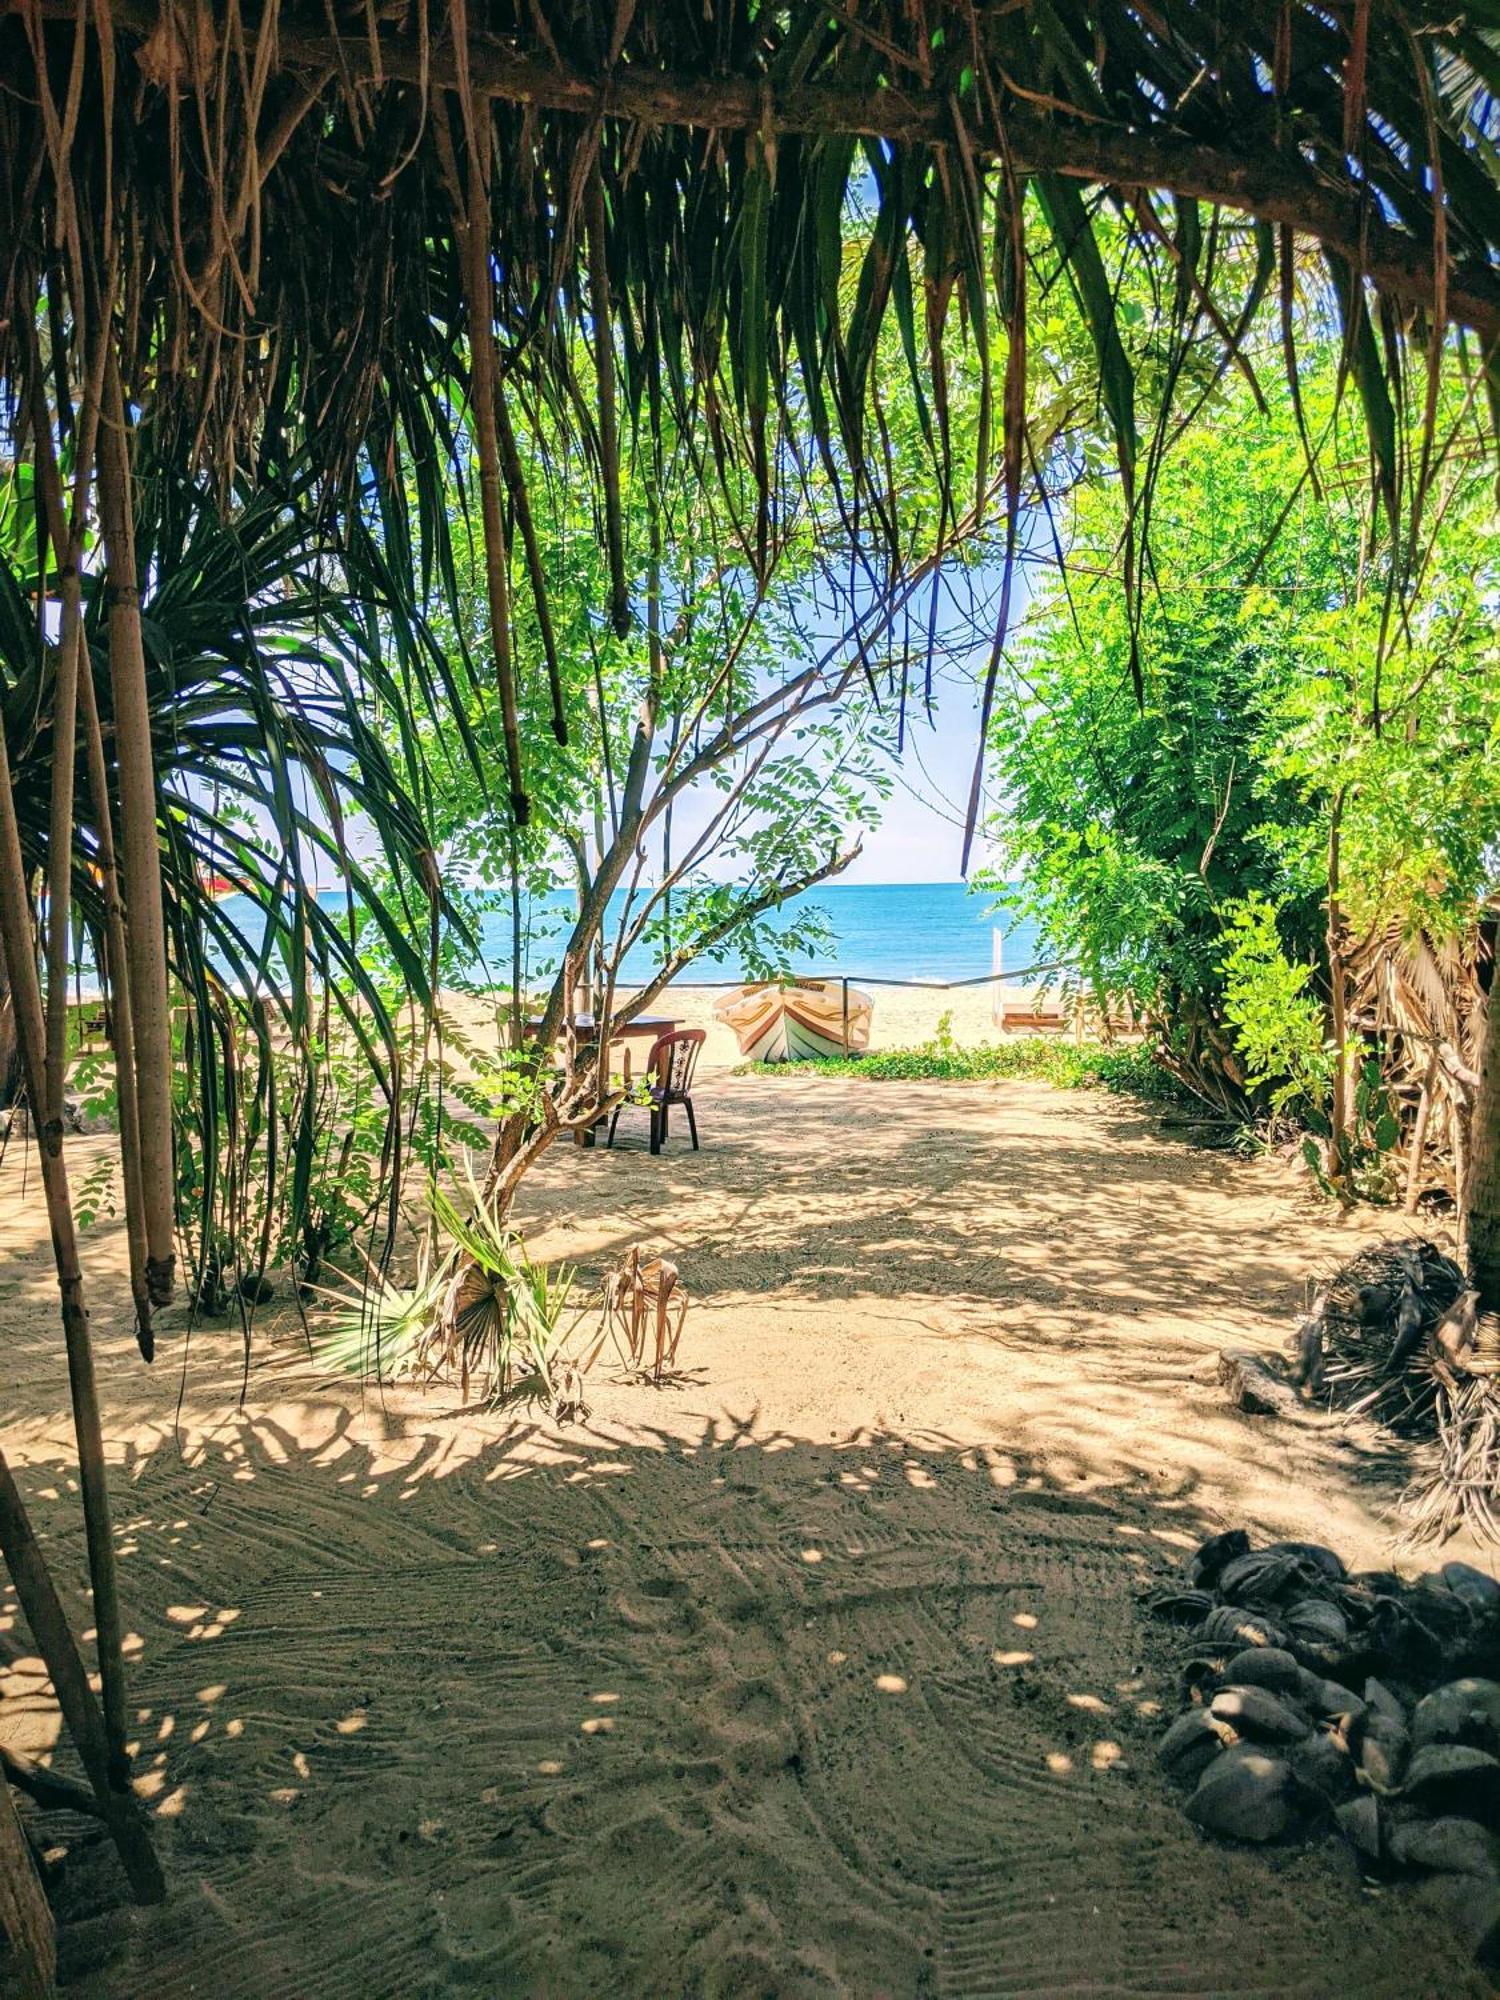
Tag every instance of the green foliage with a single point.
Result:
(1130, 1072)
(1360, 1160)
(483, 1315)
(1279, 1024)
(1292, 685)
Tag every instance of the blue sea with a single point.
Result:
(892, 930)
(881, 930)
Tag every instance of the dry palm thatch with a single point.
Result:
(1421, 998)
(1395, 1338)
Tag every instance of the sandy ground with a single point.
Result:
(820, 1671)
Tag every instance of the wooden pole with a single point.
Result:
(146, 932)
(25, 1916)
(118, 1805)
(1419, 1137)
(15, 933)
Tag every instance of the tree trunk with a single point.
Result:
(10, 1048)
(1481, 1190)
(1338, 1008)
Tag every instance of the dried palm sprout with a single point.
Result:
(644, 1306)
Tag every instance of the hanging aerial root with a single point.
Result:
(609, 430)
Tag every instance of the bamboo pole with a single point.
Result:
(1479, 1191)
(65, 523)
(118, 1806)
(66, 538)
(145, 939)
(604, 368)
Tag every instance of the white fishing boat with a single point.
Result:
(778, 1021)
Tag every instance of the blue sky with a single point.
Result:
(920, 837)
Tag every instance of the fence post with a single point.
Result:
(844, 982)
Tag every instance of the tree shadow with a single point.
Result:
(735, 1710)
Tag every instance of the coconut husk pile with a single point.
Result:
(1316, 1703)
(1395, 1337)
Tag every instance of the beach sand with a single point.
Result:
(821, 1670)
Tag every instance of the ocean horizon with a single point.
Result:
(937, 931)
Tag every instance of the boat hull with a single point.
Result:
(774, 1023)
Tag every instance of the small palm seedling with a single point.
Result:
(498, 1317)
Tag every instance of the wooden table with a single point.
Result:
(647, 1028)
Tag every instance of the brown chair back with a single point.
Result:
(671, 1063)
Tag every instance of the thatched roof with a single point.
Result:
(287, 202)
(307, 223)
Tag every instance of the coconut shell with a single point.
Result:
(1314, 1556)
(1264, 1666)
(1447, 1847)
(1207, 1561)
(1463, 1711)
(1452, 1774)
(1232, 1624)
(1182, 1607)
(1473, 1587)
(1359, 1822)
(1329, 1699)
(1382, 1703)
(1191, 1744)
(1322, 1765)
(1257, 1713)
(1260, 1579)
(1382, 1754)
(1245, 1794)
(1317, 1623)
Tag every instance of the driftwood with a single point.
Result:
(25, 1916)
(1254, 1388)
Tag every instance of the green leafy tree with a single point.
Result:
(1313, 751)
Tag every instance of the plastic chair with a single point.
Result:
(669, 1081)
